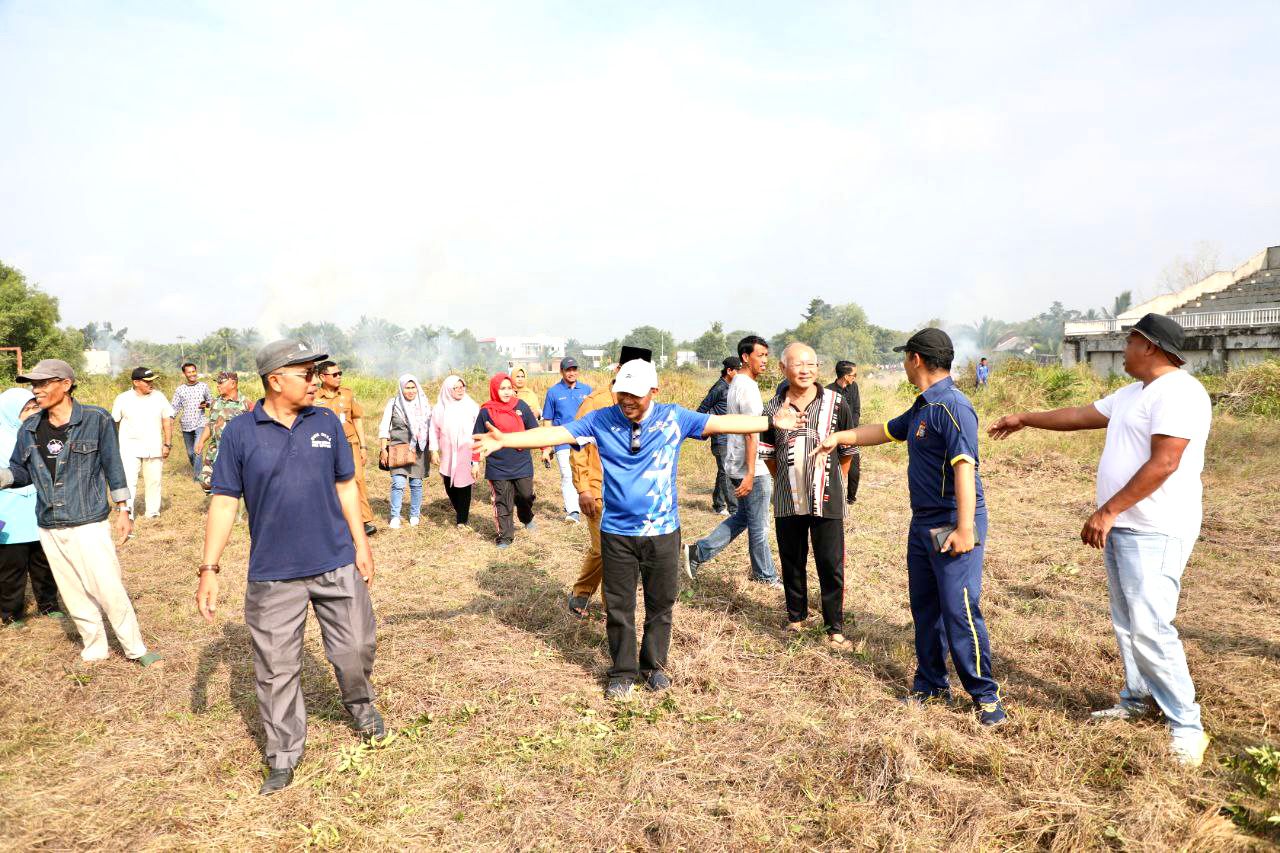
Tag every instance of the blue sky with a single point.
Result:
(584, 168)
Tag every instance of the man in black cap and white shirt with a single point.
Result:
(723, 499)
(1148, 518)
(146, 435)
(291, 462)
(69, 452)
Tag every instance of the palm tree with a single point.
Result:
(986, 333)
(1119, 305)
(229, 339)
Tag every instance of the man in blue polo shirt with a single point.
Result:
(948, 525)
(639, 442)
(559, 408)
(291, 462)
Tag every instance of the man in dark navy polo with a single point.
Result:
(292, 464)
(948, 525)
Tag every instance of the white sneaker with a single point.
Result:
(1119, 711)
(1188, 750)
(395, 524)
(413, 522)
(724, 513)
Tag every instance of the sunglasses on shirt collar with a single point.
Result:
(635, 438)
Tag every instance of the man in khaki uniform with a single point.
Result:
(342, 402)
(588, 479)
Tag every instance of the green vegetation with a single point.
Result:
(29, 319)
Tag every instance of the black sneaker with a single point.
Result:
(657, 681)
(619, 690)
(277, 780)
(687, 561)
(991, 713)
(370, 725)
(369, 528)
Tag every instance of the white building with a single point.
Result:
(686, 356)
(595, 357)
(535, 353)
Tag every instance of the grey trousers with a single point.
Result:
(276, 614)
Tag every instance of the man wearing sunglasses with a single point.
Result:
(342, 402)
(290, 461)
(639, 445)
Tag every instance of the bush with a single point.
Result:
(1252, 390)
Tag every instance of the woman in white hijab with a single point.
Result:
(452, 423)
(406, 433)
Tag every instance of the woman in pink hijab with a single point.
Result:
(452, 421)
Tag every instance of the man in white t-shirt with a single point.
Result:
(748, 477)
(1148, 518)
(146, 430)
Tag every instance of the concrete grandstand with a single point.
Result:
(1232, 317)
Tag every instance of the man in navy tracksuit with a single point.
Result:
(948, 525)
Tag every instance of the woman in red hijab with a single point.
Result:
(509, 471)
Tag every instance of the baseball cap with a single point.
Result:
(732, 363)
(285, 352)
(48, 368)
(1164, 332)
(630, 353)
(931, 342)
(566, 363)
(637, 377)
(142, 373)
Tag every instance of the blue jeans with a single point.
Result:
(189, 439)
(397, 494)
(754, 514)
(1144, 578)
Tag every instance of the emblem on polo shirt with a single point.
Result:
(920, 430)
(321, 439)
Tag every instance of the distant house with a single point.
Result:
(535, 353)
(1012, 344)
(686, 356)
(97, 362)
(593, 357)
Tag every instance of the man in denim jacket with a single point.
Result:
(69, 452)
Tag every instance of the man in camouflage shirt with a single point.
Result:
(225, 406)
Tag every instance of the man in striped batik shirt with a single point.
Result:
(809, 491)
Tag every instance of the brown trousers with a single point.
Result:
(592, 567)
(366, 511)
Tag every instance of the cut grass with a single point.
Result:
(500, 737)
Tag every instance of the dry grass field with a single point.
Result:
(502, 739)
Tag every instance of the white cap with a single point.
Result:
(636, 377)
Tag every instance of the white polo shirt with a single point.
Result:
(1176, 405)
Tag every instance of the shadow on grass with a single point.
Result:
(234, 651)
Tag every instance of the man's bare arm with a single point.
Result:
(1059, 420)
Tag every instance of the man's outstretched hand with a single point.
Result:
(489, 442)
(1005, 426)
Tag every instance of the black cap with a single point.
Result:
(732, 363)
(630, 353)
(568, 363)
(285, 352)
(143, 373)
(1164, 332)
(930, 342)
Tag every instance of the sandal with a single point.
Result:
(797, 627)
(838, 641)
(578, 605)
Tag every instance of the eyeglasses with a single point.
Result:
(635, 438)
(308, 375)
(45, 383)
(337, 373)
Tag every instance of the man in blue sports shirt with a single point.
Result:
(948, 525)
(639, 442)
(559, 408)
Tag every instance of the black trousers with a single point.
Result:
(508, 495)
(460, 497)
(18, 561)
(656, 561)
(855, 473)
(795, 532)
(722, 496)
